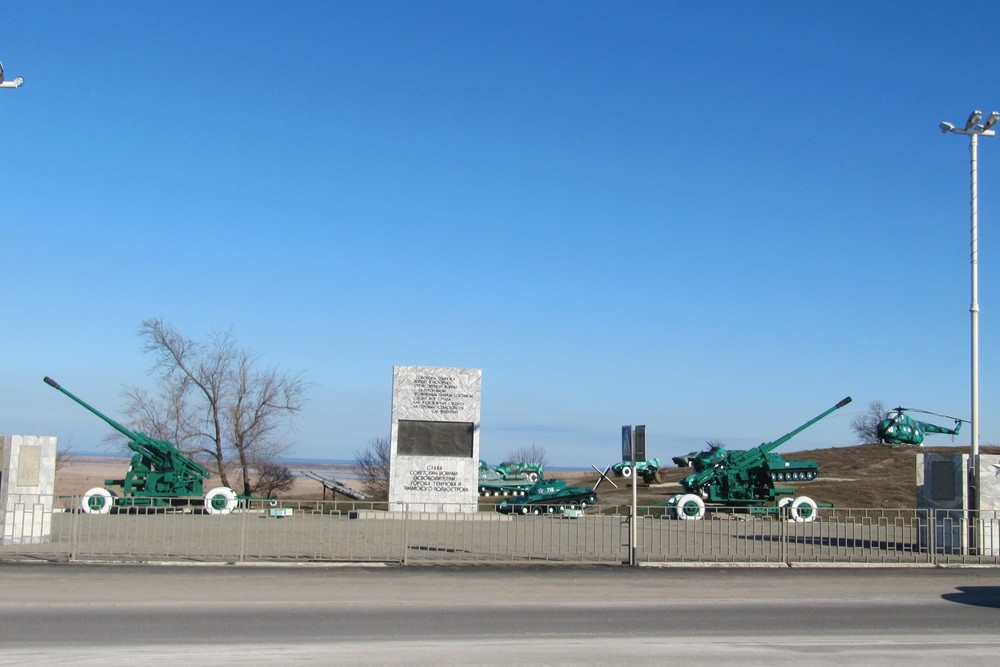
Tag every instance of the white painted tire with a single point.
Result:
(784, 501)
(627, 472)
(804, 509)
(97, 501)
(532, 477)
(690, 507)
(220, 500)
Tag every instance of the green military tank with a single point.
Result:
(507, 479)
(780, 469)
(549, 497)
(791, 471)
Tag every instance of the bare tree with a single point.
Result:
(373, 467)
(216, 400)
(62, 455)
(532, 454)
(865, 425)
(272, 477)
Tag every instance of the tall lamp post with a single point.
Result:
(16, 83)
(974, 130)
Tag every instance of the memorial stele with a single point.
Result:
(27, 483)
(434, 456)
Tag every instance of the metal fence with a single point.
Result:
(346, 532)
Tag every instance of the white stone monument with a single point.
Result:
(26, 488)
(943, 486)
(434, 463)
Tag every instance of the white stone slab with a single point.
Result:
(26, 488)
(434, 436)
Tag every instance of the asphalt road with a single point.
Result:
(559, 615)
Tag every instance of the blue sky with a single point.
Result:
(715, 220)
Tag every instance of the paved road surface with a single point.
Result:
(558, 615)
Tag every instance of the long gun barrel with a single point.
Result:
(115, 425)
(161, 454)
(761, 451)
(743, 461)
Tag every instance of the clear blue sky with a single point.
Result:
(713, 219)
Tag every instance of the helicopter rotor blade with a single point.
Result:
(936, 414)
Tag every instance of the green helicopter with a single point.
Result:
(898, 428)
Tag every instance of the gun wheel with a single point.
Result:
(804, 509)
(690, 507)
(97, 501)
(626, 471)
(220, 500)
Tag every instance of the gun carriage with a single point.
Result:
(741, 480)
(159, 475)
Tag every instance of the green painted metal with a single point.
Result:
(519, 470)
(508, 479)
(740, 478)
(549, 497)
(159, 474)
(898, 428)
(780, 469)
(791, 471)
(646, 469)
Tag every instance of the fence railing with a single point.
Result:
(350, 531)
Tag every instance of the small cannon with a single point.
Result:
(159, 475)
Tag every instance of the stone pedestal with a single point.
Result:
(26, 488)
(943, 486)
(434, 464)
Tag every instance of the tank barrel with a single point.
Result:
(115, 425)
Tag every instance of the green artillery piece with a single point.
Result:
(159, 475)
(742, 480)
(898, 428)
(781, 470)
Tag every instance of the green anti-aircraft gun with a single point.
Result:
(159, 475)
(898, 428)
(742, 480)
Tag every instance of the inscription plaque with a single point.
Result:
(943, 481)
(28, 465)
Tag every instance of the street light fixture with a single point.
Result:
(974, 130)
(16, 83)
